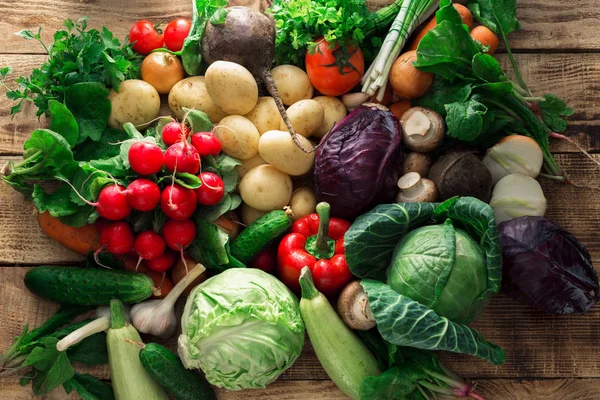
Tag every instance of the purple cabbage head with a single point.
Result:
(358, 163)
(546, 267)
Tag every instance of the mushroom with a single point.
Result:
(418, 162)
(414, 189)
(422, 129)
(353, 307)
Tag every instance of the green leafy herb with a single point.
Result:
(91, 108)
(211, 246)
(63, 122)
(89, 388)
(76, 55)
(58, 203)
(554, 111)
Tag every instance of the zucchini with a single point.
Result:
(345, 358)
(130, 381)
(88, 286)
(260, 234)
(168, 371)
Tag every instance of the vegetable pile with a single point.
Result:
(307, 158)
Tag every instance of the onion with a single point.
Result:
(162, 70)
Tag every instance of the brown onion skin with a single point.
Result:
(162, 70)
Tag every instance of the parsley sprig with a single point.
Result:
(78, 54)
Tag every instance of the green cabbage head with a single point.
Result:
(440, 267)
(242, 328)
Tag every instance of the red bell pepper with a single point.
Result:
(317, 242)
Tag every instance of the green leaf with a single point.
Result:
(52, 367)
(225, 163)
(212, 213)
(89, 388)
(198, 120)
(230, 180)
(371, 239)
(395, 383)
(219, 16)
(90, 351)
(108, 147)
(447, 12)
(91, 108)
(465, 121)
(27, 34)
(63, 122)
(445, 92)
(500, 16)
(488, 69)
(209, 245)
(47, 154)
(58, 203)
(126, 145)
(404, 322)
(187, 180)
(554, 111)
(4, 72)
(84, 216)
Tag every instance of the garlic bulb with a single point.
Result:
(157, 317)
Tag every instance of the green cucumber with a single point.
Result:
(168, 371)
(345, 358)
(260, 234)
(88, 286)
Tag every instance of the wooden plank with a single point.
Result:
(546, 26)
(573, 77)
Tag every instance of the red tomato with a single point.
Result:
(145, 37)
(176, 32)
(335, 71)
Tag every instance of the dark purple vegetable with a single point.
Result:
(358, 163)
(547, 267)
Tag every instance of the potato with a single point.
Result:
(265, 115)
(248, 164)
(232, 87)
(136, 102)
(238, 137)
(191, 93)
(266, 188)
(306, 117)
(292, 84)
(278, 149)
(249, 214)
(303, 202)
(333, 112)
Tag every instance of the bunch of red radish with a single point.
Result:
(116, 202)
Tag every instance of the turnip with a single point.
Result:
(247, 37)
(517, 195)
(178, 202)
(514, 154)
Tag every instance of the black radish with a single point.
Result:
(247, 37)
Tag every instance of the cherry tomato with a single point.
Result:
(266, 260)
(212, 190)
(335, 71)
(176, 32)
(207, 144)
(145, 37)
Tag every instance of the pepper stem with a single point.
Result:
(309, 291)
(117, 314)
(322, 241)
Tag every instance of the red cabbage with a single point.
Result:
(358, 163)
(546, 267)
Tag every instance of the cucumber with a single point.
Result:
(345, 358)
(88, 286)
(260, 234)
(168, 371)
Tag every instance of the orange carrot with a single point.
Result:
(465, 15)
(399, 108)
(387, 97)
(80, 240)
(486, 37)
(163, 286)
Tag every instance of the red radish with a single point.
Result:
(182, 157)
(112, 203)
(179, 234)
(212, 190)
(149, 245)
(116, 238)
(207, 144)
(266, 260)
(145, 158)
(143, 194)
(162, 263)
(174, 132)
(178, 202)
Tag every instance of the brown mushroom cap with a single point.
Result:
(418, 162)
(423, 129)
(353, 307)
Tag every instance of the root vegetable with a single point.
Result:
(250, 163)
(333, 112)
(191, 93)
(265, 115)
(178, 202)
(182, 157)
(514, 154)
(247, 37)
(486, 37)
(306, 117)
(353, 307)
(238, 136)
(137, 102)
(145, 158)
(278, 149)
(406, 80)
(399, 108)
(422, 129)
(162, 70)
(179, 234)
(293, 84)
(149, 245)
(516, 196)
(266, 188)
(116, 238)
(414, 189)
(230, 224)
(80, 240)
(303, 203)
(249, 214)
(465, 15)
(353, 100)
(419, 163)
(231, 86)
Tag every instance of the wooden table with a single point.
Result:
(548, 357)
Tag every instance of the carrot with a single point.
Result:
(131, 264)
(163, 286)
(399, 108)
(178, 272)
(230, 224)
(486, 37)
(387, 97)
(407, 81)
(465, 15)
(80, 240)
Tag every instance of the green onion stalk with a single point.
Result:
(412, 14)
